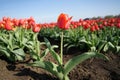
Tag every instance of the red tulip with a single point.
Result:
(15, 22)
(96, 27)
(31, 21)
(101, 26)
(36, 28)
(118, 25)
(92, 28)
(8, 26)
(63, 21)
(105, 23)
(21, 22)
(86, 26)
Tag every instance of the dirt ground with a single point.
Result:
(91, 69)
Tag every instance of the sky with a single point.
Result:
(48, 10)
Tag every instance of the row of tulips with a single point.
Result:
(97, 23)
(11, 24)
(100, 34)
(18, 37)
(93, 25)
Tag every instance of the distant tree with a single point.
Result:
(109, 16)
(117, 16)
(87, 19)
(96, 17)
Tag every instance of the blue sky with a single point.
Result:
(48, 10)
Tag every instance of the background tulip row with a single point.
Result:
(18, 37)
(102, 34)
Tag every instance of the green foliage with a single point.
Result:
(62, 70)
(10, 46)
(53, 33)
(85, 39)
(13, 44)
(54, 54)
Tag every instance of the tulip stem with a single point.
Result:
(61, 49)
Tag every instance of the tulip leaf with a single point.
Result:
(19, 54)
(111, 45)
(107, 46)
(117, 49)
(44, 53)
(101, 45)
(70, 46)
(49, 66)
(2, 40)
(4, 52)
(80, 58)
(54, 54)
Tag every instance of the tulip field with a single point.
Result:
(63, 50)
(100, 35)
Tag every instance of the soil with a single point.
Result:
(91, 69)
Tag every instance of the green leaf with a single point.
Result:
(3, 40)
(47, 43)
(93, 48)
(108, 46)
(19, 53)
(111, 45)
(4, 52)
(78, 59)
(101, 45)
(17, 34)
(10, 41)
(49, 66)
(86, 42)
(24, 41)
(34, 55)
(54, 54)
(66, 44)
(117, 49)
(30, 43)
(45, 52)
(15, 47)
(70, 46)
(102, 56)
(19, 58)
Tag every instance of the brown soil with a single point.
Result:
(92, 69)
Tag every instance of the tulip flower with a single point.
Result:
(63, 21)
(92, 28)
(36, 28)
(8, 26)
(118, 25)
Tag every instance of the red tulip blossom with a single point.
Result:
(36, 28)
(118, 25)
(15, 22)
(8, 26)
(63, 21)
(93, 28)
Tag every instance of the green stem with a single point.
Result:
(61, 49)
(36, 42)
(21, 36)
